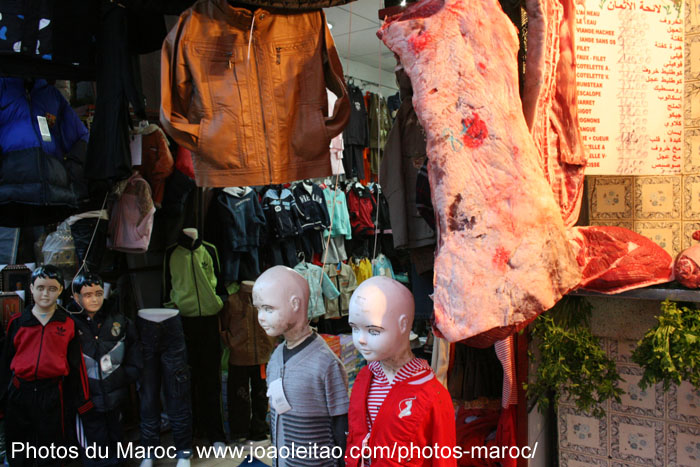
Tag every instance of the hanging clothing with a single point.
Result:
(361, 205)
(191, 278)
(246, 93)
(379, 126)
(341, 217)
(362, 269)
(336, 143)
(343, 278)
(235, 225)
(381, 266)
(118, 85)
(282, 213)
(42, 152)
(404, 153)
(355, 135)
(156, 161)
(319, 284)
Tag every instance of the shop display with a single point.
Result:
(549, 101)
(112, 354)
(686, 268)
(250, 349)
(355, 134)
(45, 388)
(131, 220)
(493, 203)
(43, 150)
(614, 259)
(193, 284)
(157, 162)
(165, 363)
(396, 399)
(319, 284)
(274, 127)
(404, 154)
(303, 372)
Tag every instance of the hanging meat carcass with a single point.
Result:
(502, 255)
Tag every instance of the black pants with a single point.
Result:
(204, 358)
(104, 429)
(35, 417)
(247, 390)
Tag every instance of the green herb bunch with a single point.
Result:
(572, 360)
(670, 352)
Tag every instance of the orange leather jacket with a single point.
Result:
(246, 93)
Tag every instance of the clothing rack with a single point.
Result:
(351, 80)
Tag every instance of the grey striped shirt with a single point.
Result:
(316, 387)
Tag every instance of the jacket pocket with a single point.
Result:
(309, 137)
(224, 78)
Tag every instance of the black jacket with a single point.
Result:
(312, 204)
(112, 334)
(357, 131)
(281, 212)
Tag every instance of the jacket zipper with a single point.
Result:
(196, 287)
(262, 110)
(38, 357)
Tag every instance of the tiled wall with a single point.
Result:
(664, 208)
(649, 427)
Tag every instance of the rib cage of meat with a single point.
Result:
(502, 255)
(549, 101)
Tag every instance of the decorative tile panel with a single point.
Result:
(683, 403)
(692, 16)
(615, 223)
(688, 229)
(665, 234)
(691, 150)
(611, 198)
(691, 108)
(582, 433)
(683, 445)
(637, 440)
(621, 350)
(657, 197)
(647, 402)
(692, 57)
(573, 459)
(691, 197)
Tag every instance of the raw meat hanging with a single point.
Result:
(687, 265)
(503, 255)
(549, 101)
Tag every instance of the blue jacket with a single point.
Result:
(40, 181)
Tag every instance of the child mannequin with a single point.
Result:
(396, 399)
(307, 384)
(42, 372)
(112, 354)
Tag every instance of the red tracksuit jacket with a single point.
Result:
(417, 412)
(35, 352)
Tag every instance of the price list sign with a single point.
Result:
(629, 78)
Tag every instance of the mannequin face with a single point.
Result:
(374, 333)
(45, 292)
(276, 311)
(380, 315)
(91, 297)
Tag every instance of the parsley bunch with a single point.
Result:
(670, 352)
(572, 360)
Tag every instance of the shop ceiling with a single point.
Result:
(354, 28)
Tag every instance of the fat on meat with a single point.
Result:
(549, 100)
(502, 256)
(615, 259)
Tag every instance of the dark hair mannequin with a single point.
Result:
(48, 271)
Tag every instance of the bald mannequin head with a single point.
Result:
(281, 296)
(381, 317)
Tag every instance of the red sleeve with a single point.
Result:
(444, 431)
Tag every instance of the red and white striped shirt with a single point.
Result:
(380, 386)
